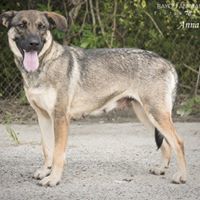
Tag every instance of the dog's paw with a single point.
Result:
(157, 171)
(42, 172)
(179, 178)
(50, 180)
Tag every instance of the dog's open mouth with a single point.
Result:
(30, 60)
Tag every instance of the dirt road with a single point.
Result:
(104, 161)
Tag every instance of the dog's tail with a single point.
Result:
(158, 138)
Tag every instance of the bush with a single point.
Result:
(117, 23)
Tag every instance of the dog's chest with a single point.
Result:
(42, 98)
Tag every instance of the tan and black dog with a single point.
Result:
(63, 82)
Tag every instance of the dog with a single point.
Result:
(63, 83)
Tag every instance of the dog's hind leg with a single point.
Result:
(47, 133)
(166, 156)
(163, 122)
(165, 148)
(141, 115)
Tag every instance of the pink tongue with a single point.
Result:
(31, 61)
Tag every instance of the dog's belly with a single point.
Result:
(88, 107)
(42, 98)
(85, 110)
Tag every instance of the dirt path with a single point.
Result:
(104, 161)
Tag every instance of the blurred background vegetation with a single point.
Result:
(170, 28)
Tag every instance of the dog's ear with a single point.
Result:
(6, 18)
(56, 21)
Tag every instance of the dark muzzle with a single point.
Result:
(32, 43)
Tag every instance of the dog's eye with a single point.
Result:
(41, 26)
(22, 25)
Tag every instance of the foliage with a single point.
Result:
(191, 105)
(138, 23)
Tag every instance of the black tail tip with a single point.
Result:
(158, 138)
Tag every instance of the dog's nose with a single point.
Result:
(33, 42)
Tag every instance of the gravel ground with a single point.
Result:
(104, 161)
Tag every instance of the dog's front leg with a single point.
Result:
(47, 132)
(61, 124)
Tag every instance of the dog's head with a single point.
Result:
(29, 33)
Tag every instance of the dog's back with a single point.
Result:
(125, 72)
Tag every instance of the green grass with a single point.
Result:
(12, 134)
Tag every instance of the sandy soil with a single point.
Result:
(104, 161)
